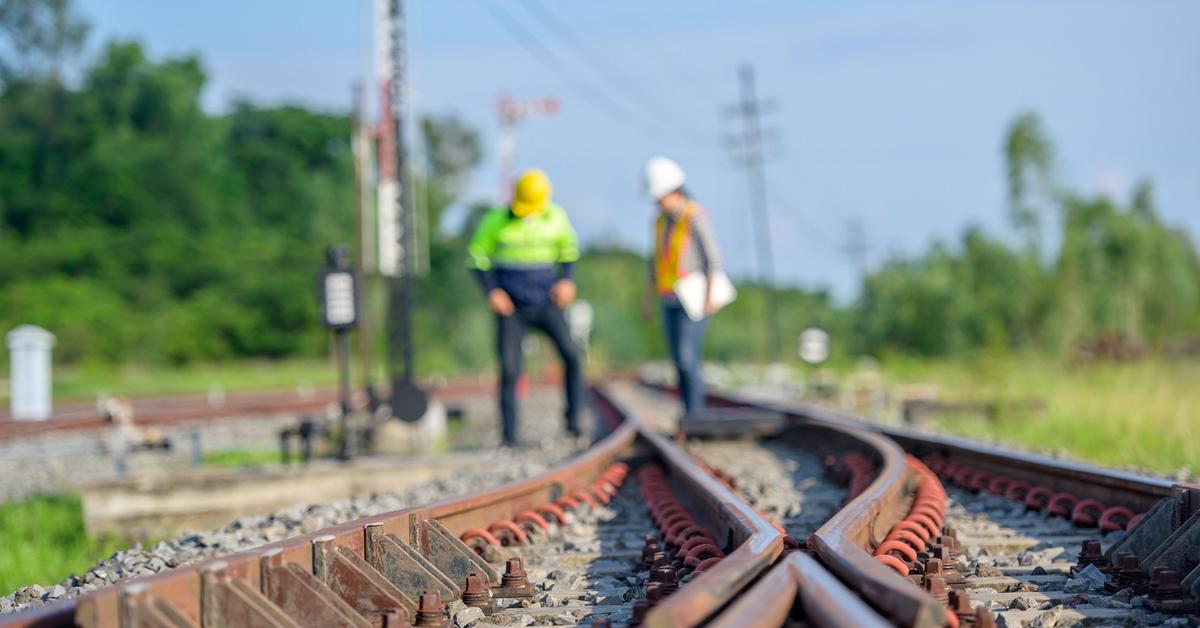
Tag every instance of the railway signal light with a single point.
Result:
(337, 289)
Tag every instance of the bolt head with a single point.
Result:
(475, 584)
(515, 566)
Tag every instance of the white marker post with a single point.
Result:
(814, 345)
(29, 353)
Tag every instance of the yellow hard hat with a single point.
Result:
(531, 195)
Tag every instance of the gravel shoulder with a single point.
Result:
(1019, 565)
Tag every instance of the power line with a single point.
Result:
(546, 57)
(601, 65)
(701, 86)
(811, 231)
(750, 155)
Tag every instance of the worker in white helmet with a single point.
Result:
(684, 244)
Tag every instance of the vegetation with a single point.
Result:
(42, 538)
(1118, 273)
(1140, 415)
(142, 229)
(242, 458)
(145, 231)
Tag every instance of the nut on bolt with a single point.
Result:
(431, 613)
(477, 592)
(514, 574)
(665, 576)
(1127, 575)
(935, 585)
(1165, 586)
(1090, 554)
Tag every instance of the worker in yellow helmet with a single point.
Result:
(524, 256)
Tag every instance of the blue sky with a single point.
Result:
(892, 114)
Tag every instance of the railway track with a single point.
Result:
(169, 411)
(762, 515)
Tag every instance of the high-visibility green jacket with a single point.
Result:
(523, 256)
(504, 241)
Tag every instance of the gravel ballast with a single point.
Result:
(498, 465)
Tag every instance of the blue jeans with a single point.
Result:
(685, 337)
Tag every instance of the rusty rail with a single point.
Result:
(180, 410)
(355, 572)
(824, 600)
(1089, 496)
(347, 546)
(755, 541)
(844, 544)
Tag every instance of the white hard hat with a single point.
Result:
(663, 176)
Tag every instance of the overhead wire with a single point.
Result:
(609, 106)
(810, 231)
(545, 55)
(604, 68)
(700, 86)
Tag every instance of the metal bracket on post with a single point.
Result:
(1178, 555)
(1156, 525)
(1180, 550)
(358, 583)
(303, 597)
(228, 601)
(447, 552)
(1191, 585)
(140, 609)
(404, 566)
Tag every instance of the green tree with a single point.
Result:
(41, 36)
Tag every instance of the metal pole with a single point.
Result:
(401, 314)
(407, 399)
(757, 180)
(362, 252)
(343, 356)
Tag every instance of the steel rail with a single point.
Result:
(844, 543)
(181, 588)
(183, 410)
(1040, 481)
(184, 595)
(824, 600)
(756, 541)
(1122, 488)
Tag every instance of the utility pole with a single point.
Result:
(750, 153)
(856, 248)
(408, 401)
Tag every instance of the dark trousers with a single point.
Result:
(510, 331)
(685, 337)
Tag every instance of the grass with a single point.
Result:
(85, 382)
(242, 458)
(42, 541)
(1144, 415)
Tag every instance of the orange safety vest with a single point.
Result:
(668, 260)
